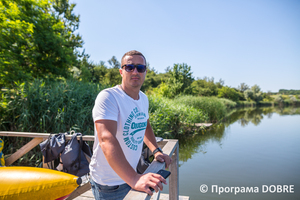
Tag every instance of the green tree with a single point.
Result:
(255, 88)
(243, 87)
(205, 87)
(257, 94)
(14, 39)
(112, 77)
(99, 72)
(182, 74)
(292, 92)
(152, 80)
(86, 70)
(248, 94)
(179, 82)
(220, 84)
(114, 63)
(228, 93)
(37, 40)
(253, 94)
(168, 89)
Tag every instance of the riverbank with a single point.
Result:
(55, 107)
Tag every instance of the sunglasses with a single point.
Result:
(139, 68)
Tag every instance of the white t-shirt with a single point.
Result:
(131, 116)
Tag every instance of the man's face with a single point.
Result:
(134, 78)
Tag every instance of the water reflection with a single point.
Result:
(194, 144)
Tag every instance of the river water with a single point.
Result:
(254, 154)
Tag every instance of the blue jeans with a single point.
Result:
(104, 192)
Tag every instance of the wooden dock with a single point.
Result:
(169, 146)
(89, 196)
(206, 125)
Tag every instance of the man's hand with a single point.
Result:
(162, 157)
(143, 182)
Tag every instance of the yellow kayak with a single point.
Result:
(35, 183)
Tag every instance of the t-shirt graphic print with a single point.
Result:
(134, 129)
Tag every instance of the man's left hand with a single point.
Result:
(162, 157)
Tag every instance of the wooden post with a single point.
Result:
(26, 148)
(173, 179)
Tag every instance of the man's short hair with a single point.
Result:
(132, 53)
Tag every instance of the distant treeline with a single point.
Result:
(289, 92)
(40, 41)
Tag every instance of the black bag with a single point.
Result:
(75, 156)
(146, 157)
(145, 160)
(53, 146)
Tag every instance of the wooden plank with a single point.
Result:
(170, 146)
(80, 190)
(166, 197)
(168, 149)
(156, 195)
(89, 196)
(23, 150)
(203, 124)
(174, 177)
(162, 143)
(85, 198)
(136, 195)
(40, 135)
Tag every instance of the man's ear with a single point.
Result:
(121, 72)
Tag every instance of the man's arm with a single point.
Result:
(106, 131)
(150, 141)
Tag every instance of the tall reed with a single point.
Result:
(169, 118)
(46, 107)
(212, 106)
(49, 107)
(53, 107)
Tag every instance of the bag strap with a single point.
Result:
(80, 149)
(74, 138)
(51, 166)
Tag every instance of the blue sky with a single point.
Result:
(238, 41)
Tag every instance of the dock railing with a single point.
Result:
(169, 146)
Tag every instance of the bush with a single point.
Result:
(278, 99)
(228, 93)
(169, 90)
(228, 103)
(169, 117)
(212, 106)
(293, 99)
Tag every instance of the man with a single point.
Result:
(121, 123)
